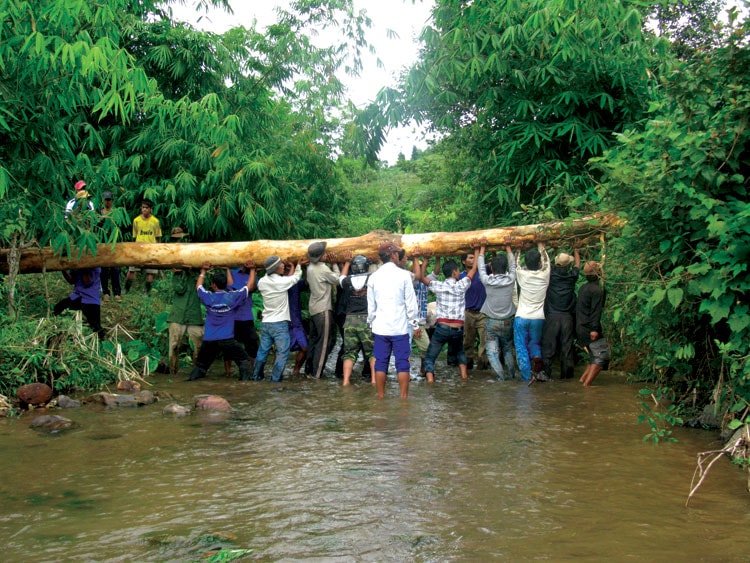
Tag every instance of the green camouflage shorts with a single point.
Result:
(357, 335)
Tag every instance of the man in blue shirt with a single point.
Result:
(244, 321)
(85, 297)
(218, 335)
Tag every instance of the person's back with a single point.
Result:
(528, 325)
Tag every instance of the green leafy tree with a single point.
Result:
(681, 295)
(530, 91)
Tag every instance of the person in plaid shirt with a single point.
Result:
(451, 307)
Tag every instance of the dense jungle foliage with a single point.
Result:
(545, 109)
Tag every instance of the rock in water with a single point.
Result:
(213, 403)
(51, 423)
(176, 409)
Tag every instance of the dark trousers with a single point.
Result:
(558, 338)
(230, 349)
(113, 275)
(245, 334)
(91, 312)
(322, 339)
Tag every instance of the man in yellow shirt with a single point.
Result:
(146, 228)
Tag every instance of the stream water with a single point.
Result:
(461, 471)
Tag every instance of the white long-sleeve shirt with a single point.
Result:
(275, 291)
(533, 284)
(391, 302)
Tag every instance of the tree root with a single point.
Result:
(739, 449)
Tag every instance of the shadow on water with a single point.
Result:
(462, 471)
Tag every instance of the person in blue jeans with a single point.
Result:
(274, 330)
(451, 310)
(500, 310)
(528, 325)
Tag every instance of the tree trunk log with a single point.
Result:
(179, 255)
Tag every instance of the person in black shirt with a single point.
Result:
(559, 314)
(591, 299)
(357, 333)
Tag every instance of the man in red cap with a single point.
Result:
(80, 196)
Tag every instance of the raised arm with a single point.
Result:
(202, 276)
(252, 279)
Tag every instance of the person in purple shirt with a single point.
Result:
(218, 335)
(475, 322)
(244, 321)
(85, 297)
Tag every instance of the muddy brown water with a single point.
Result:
(461, 471)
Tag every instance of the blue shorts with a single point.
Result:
(297, 338)
(400, 346)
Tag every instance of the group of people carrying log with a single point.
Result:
(500, 313)
(526, 314)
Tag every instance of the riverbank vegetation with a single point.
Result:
(546, 110)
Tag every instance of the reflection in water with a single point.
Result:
(473, 470)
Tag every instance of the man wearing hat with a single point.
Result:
(559, 314)
(274, 288)
(185, 314)
(392, 314)
(80, 200)
(321, 280)
(109, 274)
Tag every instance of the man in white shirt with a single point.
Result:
(528, 325)
(392, 315)
(274, 287)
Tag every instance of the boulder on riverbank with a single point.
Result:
(138, 399)
(34, 394)
(65, 402)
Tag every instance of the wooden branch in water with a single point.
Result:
(178, 255)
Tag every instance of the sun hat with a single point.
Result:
(563, 260)
(315, 251)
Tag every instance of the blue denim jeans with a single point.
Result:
(444, 335)
(499, 338)
(527, 335)
(270, 334)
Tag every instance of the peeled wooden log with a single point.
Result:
(179, 255)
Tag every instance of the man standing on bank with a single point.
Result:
(392, 315)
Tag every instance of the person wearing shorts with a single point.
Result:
(357, 334)
(591, 298)
(392, 315)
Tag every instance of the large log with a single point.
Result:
(178, 255)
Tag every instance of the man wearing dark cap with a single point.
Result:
(559, 314)
(109, 274)
(392, 314)
(591, 299)
(321, 280)
(274, 287)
